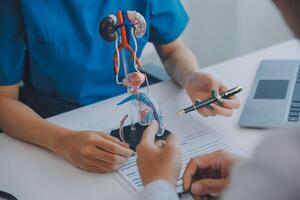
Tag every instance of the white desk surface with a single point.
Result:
(31, 173)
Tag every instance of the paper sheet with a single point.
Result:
(199, 140)
(196, 139)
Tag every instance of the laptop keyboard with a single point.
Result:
(295, 106)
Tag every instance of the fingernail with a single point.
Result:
(210, 107)
(214, 93)
(197, 101)
(131, 152)
(125, 145)
(196, 189)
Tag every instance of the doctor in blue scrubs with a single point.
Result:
(54, 48)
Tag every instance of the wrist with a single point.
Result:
(189, 77)
(60, 141)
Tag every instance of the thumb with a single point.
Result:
(172, 141)
(208, 186)
(149, 134)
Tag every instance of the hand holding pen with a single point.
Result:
(208, 174)
(216, 98)
(201, 85)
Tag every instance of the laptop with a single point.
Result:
(274, 100)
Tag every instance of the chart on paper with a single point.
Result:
(198, 142)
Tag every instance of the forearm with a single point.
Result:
(21, 122)
(180, 63)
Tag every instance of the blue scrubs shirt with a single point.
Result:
(55, 48)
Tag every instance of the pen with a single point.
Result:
(210, 100)
(199, 175)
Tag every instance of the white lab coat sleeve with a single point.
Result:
(272, 173)
(158, 190)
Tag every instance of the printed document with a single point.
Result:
(195, 139)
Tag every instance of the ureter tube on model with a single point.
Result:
(131, 106)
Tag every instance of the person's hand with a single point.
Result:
(209, 173)
(159, 160)
(200, 86)
(95, 151)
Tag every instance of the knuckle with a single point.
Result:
(85, 151)
(91, 138)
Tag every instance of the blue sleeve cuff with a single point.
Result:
(168, 20)
(12, 58)
(158, 190)
(172, 36)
